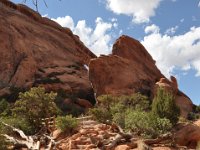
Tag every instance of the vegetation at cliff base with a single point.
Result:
(135, 113)
(66, 123)
(164, 106)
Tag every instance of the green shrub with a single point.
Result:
(193, 116)
(112, 108)
(146, 124)
(101, 114)
(66, 123)
(196, 108)
(34, 105)
(131, 113)
(4, 108)
(164, 106)
(134, 101)
(17, 122)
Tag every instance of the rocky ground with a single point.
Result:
(96, 136)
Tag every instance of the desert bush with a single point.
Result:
(197, 109)
(164, 106)
(101, 114)
(134, 101)
(112, 108)
(17, 122)
(132, 113)
(34, 105)
(193, 116)
(4, 108)
(66, 123)
(146, 124)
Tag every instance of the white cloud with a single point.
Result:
(98, 39)
(199, 4)
(170, 52)
(66, 21)
(151, 29)
(171, 30)
(140, 10)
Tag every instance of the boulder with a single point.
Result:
(127, 70)
(37, 51)
(188, 135)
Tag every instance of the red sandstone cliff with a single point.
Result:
(37, 51)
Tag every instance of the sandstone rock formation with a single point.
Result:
(182, 101)
(37, 51)
(129, 69)
(189, 135)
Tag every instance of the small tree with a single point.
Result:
(35, 104)
(164, 106)
(146, 124)
(66, 123)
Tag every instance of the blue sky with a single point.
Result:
(169, 29)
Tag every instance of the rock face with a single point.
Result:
(37, 51)
(189, 135)
(129, 69)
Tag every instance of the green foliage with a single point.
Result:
(131, 113)
(146, 124)
(112, 108)
(66, 123)
(17, 122)
(164, 106)
(134, 101)
(34, 105)
(193, 116)
(101, 114)
(4, 108)
(197, 109)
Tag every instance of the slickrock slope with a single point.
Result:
(37, 51)
(130, 69)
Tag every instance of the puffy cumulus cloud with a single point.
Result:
(97, 39)
(175, 52)
(140, 10)
(152, 29)
(66, 21)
